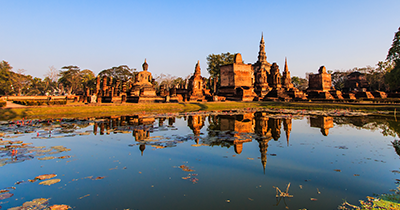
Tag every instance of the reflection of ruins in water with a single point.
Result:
(141, 131)
(268, 128)
(196, 123)
(223, 130)
(238, 129)
(322, 122)
(140, 127)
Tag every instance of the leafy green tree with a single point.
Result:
(70, 78)
(299, 83)
(5, 78)
(88, 79)
(394, 51)
(50, 86)
(122, 72)
(339, 78)
(36, 87)
(376, 76)
(392, 77)
(215, 61)
(178, 82)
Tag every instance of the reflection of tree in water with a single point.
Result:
(161, 121)
(213, 123)
(171, 121)
(388, 127)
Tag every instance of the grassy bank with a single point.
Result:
(91, 110)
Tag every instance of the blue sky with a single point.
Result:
(173, 35)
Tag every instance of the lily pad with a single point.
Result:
(99, 177)
(47, 158)
(45, 176)
(50, 182)
(4, 191)
(5, 196)
(61, 148)
(39, 203)
(185, 168)
(59, 207)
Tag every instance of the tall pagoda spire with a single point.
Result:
(197, 68)
(286, 66)
(262, 56)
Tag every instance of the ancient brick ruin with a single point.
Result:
(258, 81)
(238, 82)
(357, 86)
(320, 86)
(137, 89)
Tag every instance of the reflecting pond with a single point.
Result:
(198, 161)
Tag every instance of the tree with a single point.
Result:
(70, 78)
(394, 51)
(52, 74)
(122, 72)
(376, 76)
(392, 76)
(178, 82)
(88, 79)
(5, 78)
(165, 79)
(36, 87)
(20, 81)
(299, 83)
(50, 86)
(339, 78)
(215, 61)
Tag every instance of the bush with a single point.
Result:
(41, 102)
(3, 103)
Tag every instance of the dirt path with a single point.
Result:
(10, 104)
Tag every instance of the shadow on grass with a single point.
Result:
(203, 107)
(9, 114)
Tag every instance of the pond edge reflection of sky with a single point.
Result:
(199, 161)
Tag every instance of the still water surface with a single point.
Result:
(200, 161)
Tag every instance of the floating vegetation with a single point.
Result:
(46, 176)
(50, 182)
(279, 193)
(185, 168)
(5, 195)
(40, 204)
(231, 128)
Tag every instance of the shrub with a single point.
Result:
(40, 102)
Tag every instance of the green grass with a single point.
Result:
(384, 201)
(93, 110)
